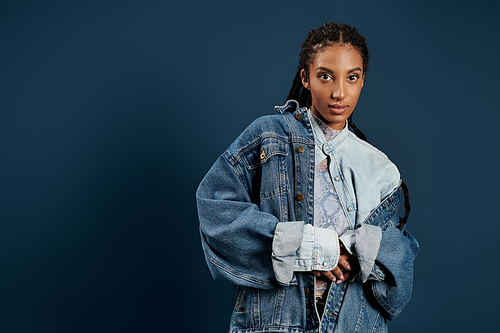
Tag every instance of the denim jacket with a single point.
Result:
(260, 191)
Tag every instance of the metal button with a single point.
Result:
(298, 116)
(325, 264)
(300, 197)
(337, 178)
(349, 209)
(300, 149)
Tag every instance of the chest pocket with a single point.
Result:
(267, 161)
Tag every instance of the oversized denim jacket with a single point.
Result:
(264, 180)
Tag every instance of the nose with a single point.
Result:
(339, 92)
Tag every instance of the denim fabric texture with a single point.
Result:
(256, 204)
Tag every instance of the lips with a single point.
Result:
(337, 108)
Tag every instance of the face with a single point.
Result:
(335, 80)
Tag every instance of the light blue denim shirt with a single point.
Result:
(319, 249)
(256, 207)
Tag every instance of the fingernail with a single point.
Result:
(348, 268)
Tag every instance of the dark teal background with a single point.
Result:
(111, 112)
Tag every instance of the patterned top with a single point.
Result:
(328, 212)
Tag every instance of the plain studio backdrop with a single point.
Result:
(111, 112)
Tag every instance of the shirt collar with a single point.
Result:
(324, 133)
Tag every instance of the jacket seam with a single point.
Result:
(234, 158)
(380, 300)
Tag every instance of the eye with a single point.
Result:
(325, 77)
(352, 78)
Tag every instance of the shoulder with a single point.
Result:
(369, 160)
(374, 174)
(268, 124)
(283, 123)
(365, 150)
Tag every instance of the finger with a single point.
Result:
(337, 272)
(344, 263)
(346, 277)
(316, 273)
(329, 275)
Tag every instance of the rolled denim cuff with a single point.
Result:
(348, 238)
(318, 251)
(286, 241)
(368, 239)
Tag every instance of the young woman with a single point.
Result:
(302, 214)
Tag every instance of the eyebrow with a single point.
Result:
(324, 69)
(354, 70)
(331, 72)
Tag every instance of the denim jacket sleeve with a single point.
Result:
(391, 278)
(398, 250)
(252, 248)
(236, 236)
(363, 242)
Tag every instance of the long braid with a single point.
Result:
(298, 92)
(402, 221)
(327, 35)
(357, 131)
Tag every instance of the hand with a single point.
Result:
(351, 260)
(347, 265)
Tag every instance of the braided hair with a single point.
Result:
(317, 40)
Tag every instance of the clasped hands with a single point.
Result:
(348, 265)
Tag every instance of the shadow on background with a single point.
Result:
(111, 112)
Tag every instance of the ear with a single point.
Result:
(305, 79)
